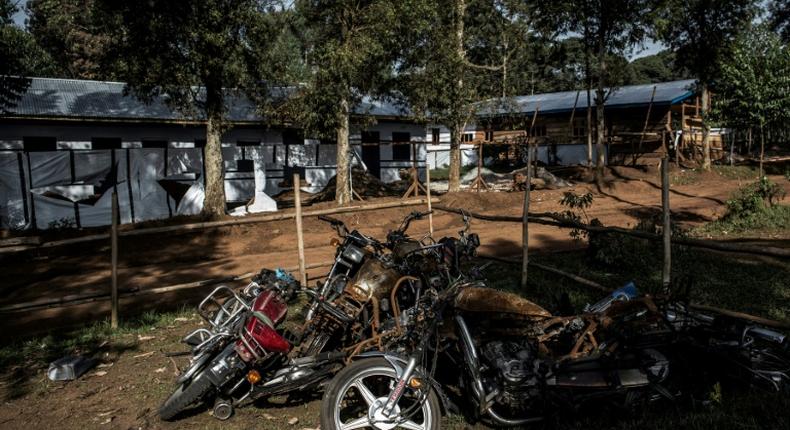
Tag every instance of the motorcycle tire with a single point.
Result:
(185, 395)
(360, 369)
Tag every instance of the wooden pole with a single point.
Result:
(525, 221)
(644, 128)
(428, 195)
(114, 253)
(573, 114)
(667, 228)
(299, 233)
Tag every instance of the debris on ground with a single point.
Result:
(292, 421)
(514, 181)
(69, 368)
(541, 179)
(364, 184)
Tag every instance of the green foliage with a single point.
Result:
(780, 18)
(74, 34)
(754, 198)
(20, 57)
(350, 49)
(754, 89)
(753, 207)
(577, 211)
(659, 67)
(700, 32)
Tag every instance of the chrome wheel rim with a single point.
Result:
(361, 400)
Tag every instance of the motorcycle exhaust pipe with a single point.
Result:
(472, 361)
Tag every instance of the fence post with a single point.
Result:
(428, 195)
(667, 229)
(114, 252)
(525, 221)
(299, 234)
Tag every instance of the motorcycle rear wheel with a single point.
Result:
(354, 376)
(184, 396)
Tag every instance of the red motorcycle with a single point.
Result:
(244, 354)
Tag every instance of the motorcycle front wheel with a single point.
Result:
(187, 394)
(356, 396)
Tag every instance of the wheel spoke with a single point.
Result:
(370, 399)
(411, 425)
(358, 423)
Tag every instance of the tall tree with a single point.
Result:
(779, 18)
(607, 27)
(192, 53)
(351, 50)
(754, 86)
(701, 33)
(468, 53)
(73, 34)
(654, 68)
(20, 57)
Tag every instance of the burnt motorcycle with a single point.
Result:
(516, 360)
(246, 354)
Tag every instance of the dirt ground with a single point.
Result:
(137, 376)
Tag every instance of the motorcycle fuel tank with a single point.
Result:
(259, 333)
(478, 299)
(372, 280)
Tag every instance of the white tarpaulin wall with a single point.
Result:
(74, 188)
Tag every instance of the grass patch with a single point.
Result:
(40, 351)
(753, 208)
(774, 219)
(736, 172)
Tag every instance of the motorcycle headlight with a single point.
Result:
(353, 254)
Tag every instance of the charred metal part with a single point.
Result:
(394, 298)
(476, 299)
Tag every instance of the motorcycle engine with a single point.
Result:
(514, 365)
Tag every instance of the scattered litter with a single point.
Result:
(181, 319)
(147, 354)
(104, 365)
(144, 338)
(103, 344)
(160, 370)
(107, 421)
(99, 373)
(268, 416)
(69, 368)
(293, 421)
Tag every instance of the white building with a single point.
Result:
(68, 143)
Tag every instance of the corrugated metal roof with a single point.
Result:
(628, 96)
(74, 98)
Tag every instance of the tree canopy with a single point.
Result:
(190, 53)
(20, 58)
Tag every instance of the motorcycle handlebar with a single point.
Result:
(330, 220)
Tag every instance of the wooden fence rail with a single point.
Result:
(547, 218)
(216, 224)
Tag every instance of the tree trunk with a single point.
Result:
(705, 130)
(762, 149)
(456, 130)
(600, 98)
(588, 79)
(342, 185)
(454, 176)
(214, 202)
